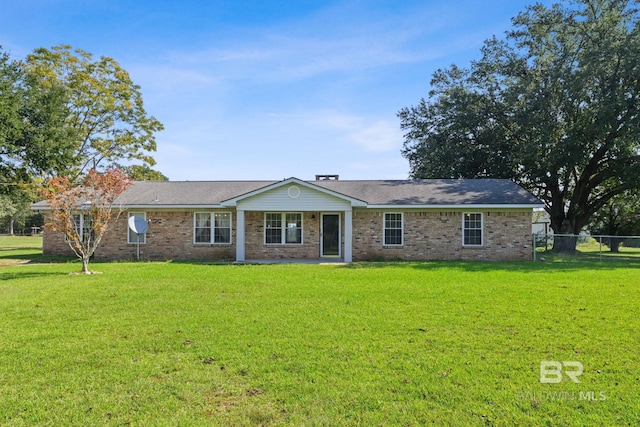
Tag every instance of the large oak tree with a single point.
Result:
(555, 106)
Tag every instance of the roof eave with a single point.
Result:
(138, 206)
(460, 206)
(355, 203)
(191, 206)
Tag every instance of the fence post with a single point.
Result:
(600, 240)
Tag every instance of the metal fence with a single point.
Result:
(602, 246)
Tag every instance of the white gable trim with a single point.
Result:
(234, 201)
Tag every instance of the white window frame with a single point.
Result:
(213, 228)
(80, 226)
(384, 229)
(284, 228)
(130, 234)
(464, 229)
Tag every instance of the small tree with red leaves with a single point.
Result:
(83, 212)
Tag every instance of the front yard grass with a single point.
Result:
(366, 344)
(16, 250)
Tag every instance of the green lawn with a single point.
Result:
(367, 344)
(593, 251)
(16, 250)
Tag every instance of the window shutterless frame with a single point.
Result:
(393, 229)
(212, 228)
(222, 228)
(472, 229)
(82, 224)
(283, 228)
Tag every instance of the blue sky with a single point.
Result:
(270, 89)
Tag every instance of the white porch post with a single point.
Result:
(348, 236)
(239, 235)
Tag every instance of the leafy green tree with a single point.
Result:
(555, 106)
(620, 216)
(8, 210)
(33, 138)
(16, 215)
(143, 173)
(105, 114)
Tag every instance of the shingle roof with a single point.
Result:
(434, 192)
(437, 192)
(187, 193)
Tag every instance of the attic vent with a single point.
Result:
(327, 177)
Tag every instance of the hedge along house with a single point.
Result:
(481, 219)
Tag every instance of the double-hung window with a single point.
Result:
(472, 229)
(82, 226)
(283, 227)
(222, 227)
(393, 229)
(273, 228)
(135, 237)
(212, 227)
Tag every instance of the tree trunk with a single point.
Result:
(567, 241)
(85, 265)
(614, 244)
(11, 227)
(565, 244)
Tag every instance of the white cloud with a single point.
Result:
(165, 79)
(381, 135)
(314, 46)
(370, 134)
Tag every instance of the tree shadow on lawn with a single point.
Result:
(549, 263)
(573, 262)
(13, 260)
(36, 258)
(17, 274)
(545, 261)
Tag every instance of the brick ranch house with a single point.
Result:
(473, 219)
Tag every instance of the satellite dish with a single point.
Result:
(138, 224)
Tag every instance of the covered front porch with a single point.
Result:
(287, 235)
(294, 220)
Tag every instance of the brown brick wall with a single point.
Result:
(438, 236)
(255, 248)
(170, 236)
(54, 243)
(427, 236)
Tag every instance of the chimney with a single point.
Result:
(327, 177)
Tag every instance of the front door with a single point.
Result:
(330, 232)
